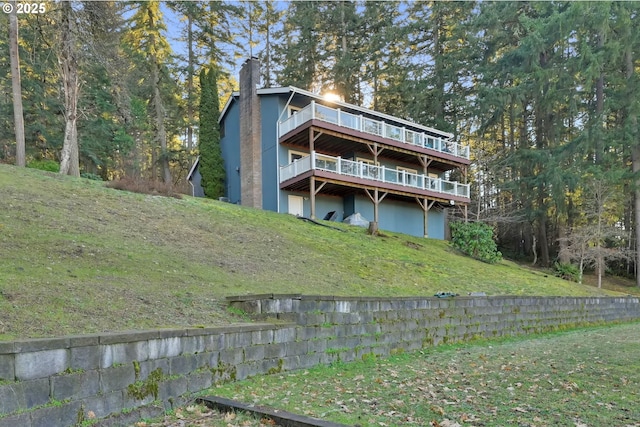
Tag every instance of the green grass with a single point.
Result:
(77, 257)
(585, 377)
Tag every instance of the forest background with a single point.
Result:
(546, 94)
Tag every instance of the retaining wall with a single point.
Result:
(122, 377)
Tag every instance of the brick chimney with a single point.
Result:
(250, 135)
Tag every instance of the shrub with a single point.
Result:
(91, 176)
(44, 165)
(567, 271)
(144, 186)
(476, 240)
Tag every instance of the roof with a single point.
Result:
(294, 90)
(193, 168)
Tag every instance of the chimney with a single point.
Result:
(250, 135)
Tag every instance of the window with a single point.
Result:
(433, 180)
(369, 169)
(292, 110)
(407, 176)
(295, 155)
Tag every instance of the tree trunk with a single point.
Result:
(161, 133)
(18, 116)
(190, 71)
(635, 164)
(69, 158)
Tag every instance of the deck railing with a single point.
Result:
(371, 126)
(371, 172)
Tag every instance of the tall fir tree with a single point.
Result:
(211, 163)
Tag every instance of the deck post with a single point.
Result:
(312, 197)
(425, 212)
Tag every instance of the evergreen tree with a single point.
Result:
(211, 163)
(152, 54)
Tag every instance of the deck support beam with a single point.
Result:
(376, 198)
(375, 151)
(313, 191)
(425, 205)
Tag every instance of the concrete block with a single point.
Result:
(199, 381)
(113, 354)
(41, 364)
(232, 356)
(238, 340)
(316, 346)
(83, 340)
(274, 351)
(36, 392)
(183, 364)
(247, 370)
(87, 358)
(213, 342)
(284, 335)
(24, 395)
(296, 348)
(192, 345)
(309, 360)
(12, 398)
(164, 347)
(63, 415)
(117, 378)
(128, 336)
(7, 367)
(75, 386)
(7, 347)
(148, 366)
(254, 353)
(22, 420)
(106, 404)
(41, 344)
(172, 388)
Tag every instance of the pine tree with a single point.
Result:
(152, 54)
(211, 162)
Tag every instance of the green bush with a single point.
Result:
(91, 176)
(567, 271)
(44, 165)
(476, 240)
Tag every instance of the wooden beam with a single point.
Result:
(320, 186)
(425, 161)
(426, 206)
(312, 196)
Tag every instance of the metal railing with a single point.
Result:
(371, 126)
(371, 172)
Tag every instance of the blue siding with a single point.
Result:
(270, 108)
(230, 145)
(324, 205)
(196, 182)
(402, 217)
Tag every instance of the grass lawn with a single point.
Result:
(77, 257)
(585, 377)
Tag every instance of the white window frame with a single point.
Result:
(292, 153)
(407, 180)
(292, 109)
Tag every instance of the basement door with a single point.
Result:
(296, 206)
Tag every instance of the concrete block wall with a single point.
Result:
(120, 378)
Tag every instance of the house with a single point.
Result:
(292, 151)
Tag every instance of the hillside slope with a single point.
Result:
(77, 257)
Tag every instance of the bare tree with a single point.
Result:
(16, 86)
(589, 244)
